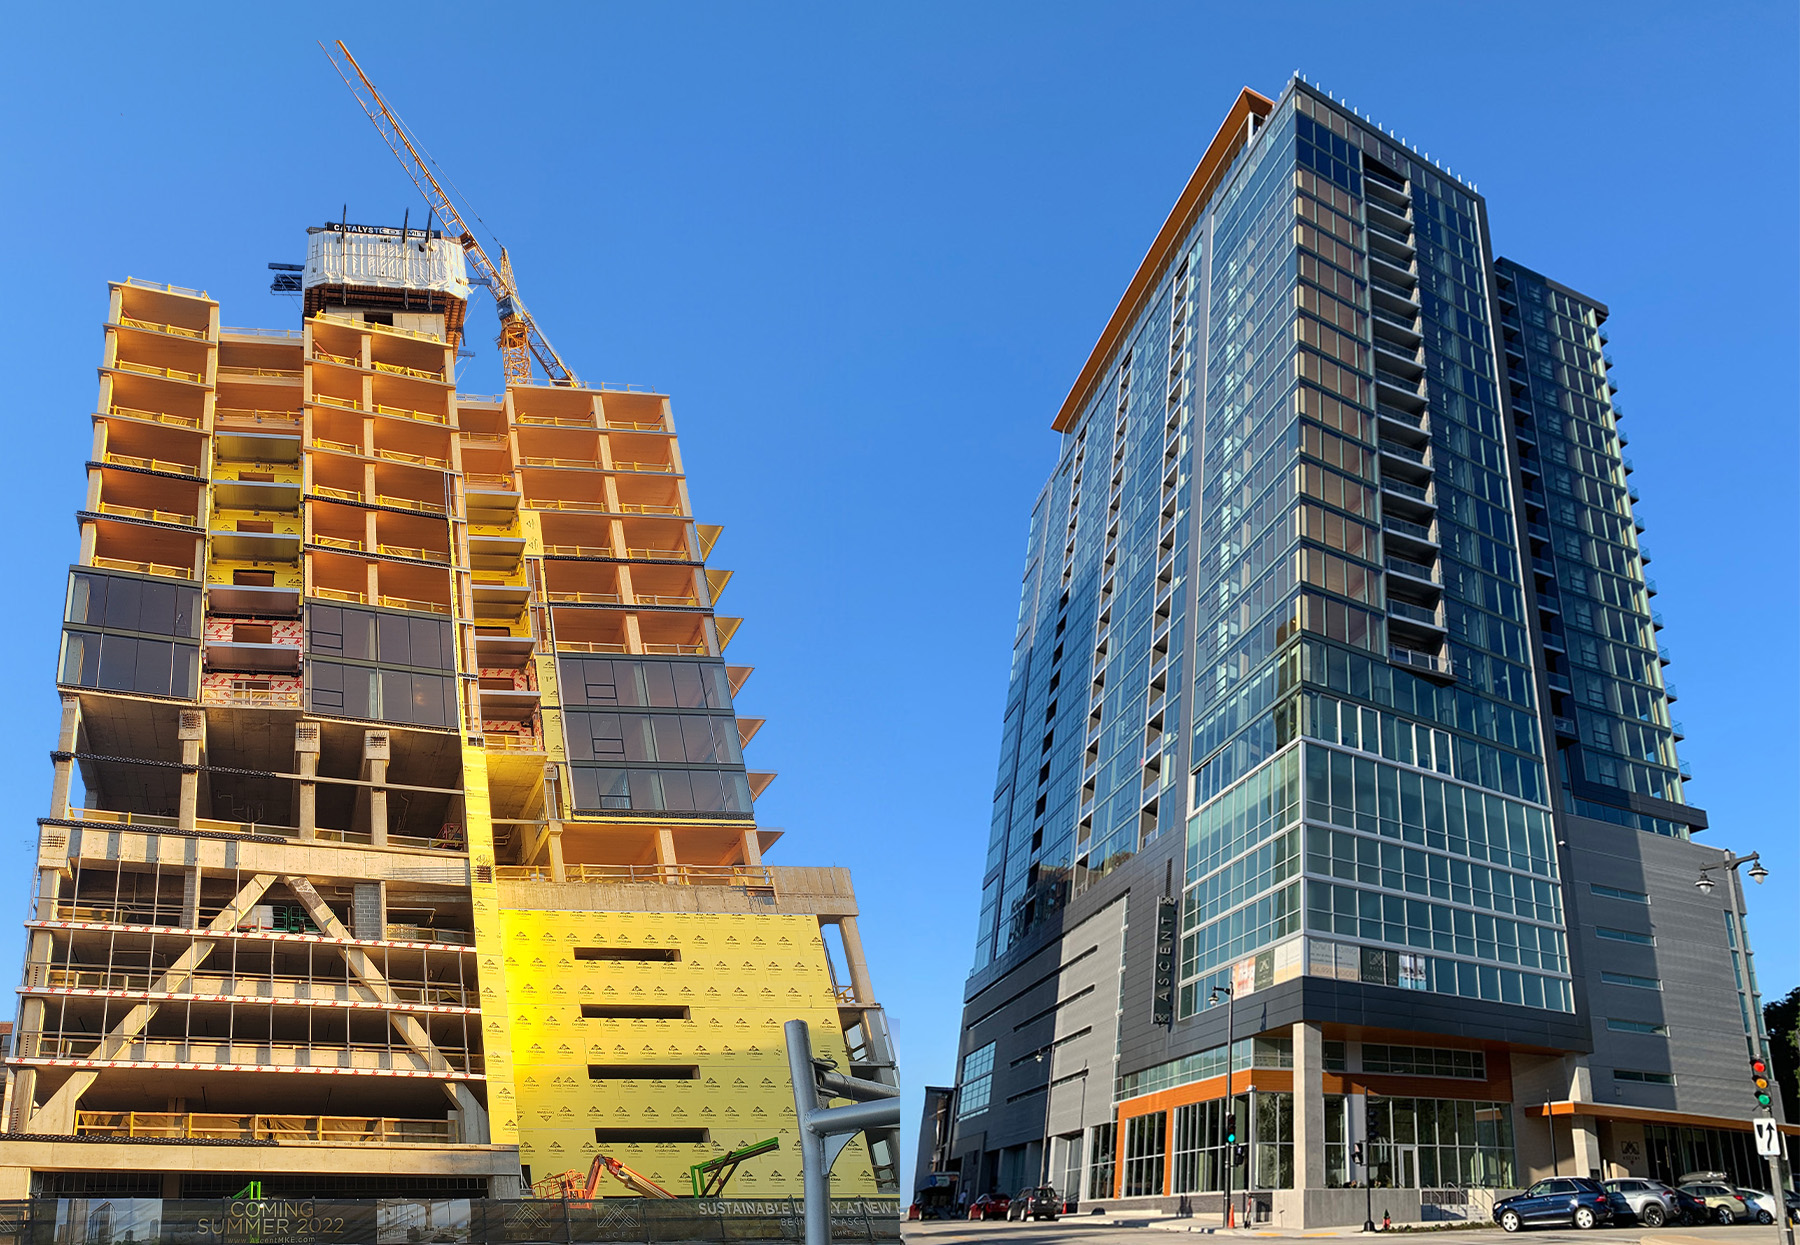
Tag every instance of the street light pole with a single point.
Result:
(1230, 1104)
(1784, 1229)
(1047, 1054)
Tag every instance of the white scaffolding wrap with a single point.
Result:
(386, 262)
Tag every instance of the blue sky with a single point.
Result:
(866, 249)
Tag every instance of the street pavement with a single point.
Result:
(1105, 1230)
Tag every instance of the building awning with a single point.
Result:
(1647, 1115)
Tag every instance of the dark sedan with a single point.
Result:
(1572, 1200)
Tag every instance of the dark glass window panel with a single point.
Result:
(725, 741)
(153, 662)
(81, 659)
(157, 609)
(677, 790)
(184, 677)
(324, 629)
(428, 643)
(359, 635)
(87, 598)
(659, 685)
(607, 736)
(639, 736)
(737, 792)
(396, 696)
(628, 677)
(718, 687)
(395, 641)
(709, 790)
(187, 613)
(668, 738)
(118, 663)
(690, 692)
(585, 784)
(646, 789)
(427, 700)
(124, 604)
(697, 740)
(613, 787)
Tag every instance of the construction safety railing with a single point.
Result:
(353, 1056)
(749, 877)
(659, 555)
(415, 373)
(581, 505)
(406, 603)
(407, 412)
(626, 425)
(155, 417)
(243, 415)
(278, 334)
(620, 464)
(173, 330)
(554, 421)
(364, 326)
(161, 373)
(271, 373)
(482, 438)
(340, 594)
(336, 447)
(165, 287)
(144, 512)
(483, 479)
(248, 986)
(409, 503)
(343, 1130)
(145, 568)
(342, 404)
(249, 697)
(580, 551)
(480, 399)
(114, 459)
(417, 460)
(592, 646)
(319, 352)
(651, 598)
(337, 542)
(441, 556)
(676, 650)
(336, 494)
(507, 741)
(171, 915)
(646, 508)
(325, 834)
(585, 598)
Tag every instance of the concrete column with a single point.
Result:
(375, 763)
(1584, 1142)
(64, 775)
(1309, 1108)
(306, 755)
(558, 872)
(90, 538)
(192, 733)
(853, 957)
(190, 898)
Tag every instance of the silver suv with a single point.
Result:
(1652, 1202)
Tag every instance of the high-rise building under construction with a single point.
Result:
(400, 830)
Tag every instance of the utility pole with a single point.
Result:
(1230, 1103)
(1047, 1054)
(1759, 1052)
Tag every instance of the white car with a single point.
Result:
(1762, 1205)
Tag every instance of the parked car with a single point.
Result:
(1572, 1200)
(989, 1206)
(1650, 1202)
(1762, 1205)
(1793, 1205)
(1042, 1202)
(1724, 1203)
(1693, 1210)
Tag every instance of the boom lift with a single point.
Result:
(711, 1177)
(571, 1186)
(521, 341)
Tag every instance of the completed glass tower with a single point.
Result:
(1334, 679)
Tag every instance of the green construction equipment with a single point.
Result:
(711, 1176)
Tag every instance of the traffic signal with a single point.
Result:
(1231, 1130)
(1372, 1120)
(1240, 1155)
(1759, 1076)
(1356, 1158)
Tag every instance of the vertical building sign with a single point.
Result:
(1164, 1005)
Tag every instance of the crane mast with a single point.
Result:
(521, 341)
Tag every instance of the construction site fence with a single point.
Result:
(108, 1219)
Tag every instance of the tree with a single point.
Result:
(1782, 1019)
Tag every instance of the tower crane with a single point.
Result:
(521, 341)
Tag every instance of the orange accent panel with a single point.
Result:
(1647, 1115)
(1225, 144)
